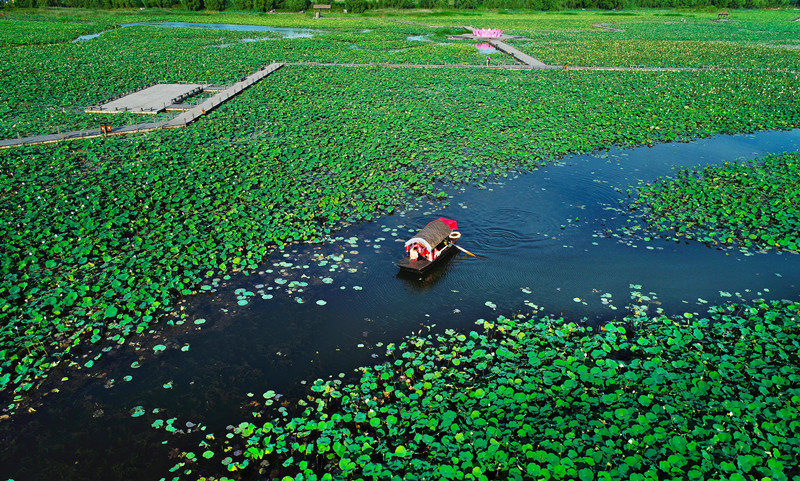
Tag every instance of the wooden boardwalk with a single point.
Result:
(213, 102)
(181, 120)
(79, 134)
(517, 55)
(225, 93)
(152, 100)
(632, 68)
(607, 26)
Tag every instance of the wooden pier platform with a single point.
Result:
(152, 100)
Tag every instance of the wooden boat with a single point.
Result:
(431, 246)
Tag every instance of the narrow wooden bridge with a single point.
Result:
(517, 55)
(223, 96)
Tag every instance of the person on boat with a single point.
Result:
(423, 252)
(417, 251)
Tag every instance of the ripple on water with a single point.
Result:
(499, 238)
(512, 227)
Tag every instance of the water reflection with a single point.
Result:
(485, 48)
(425, 281)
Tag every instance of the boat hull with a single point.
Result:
(424, 265)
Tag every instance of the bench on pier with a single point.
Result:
(318, 8)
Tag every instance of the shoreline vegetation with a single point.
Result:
(101, 237)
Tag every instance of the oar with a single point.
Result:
(465, 251)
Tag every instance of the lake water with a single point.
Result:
(284, 32)
(485, 48)
(551, 241)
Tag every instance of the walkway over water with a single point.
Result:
(210, 104)
(193, 113)
(180, 121)
(152, 100)
(607, 27)
(632, 68)
(516, 54)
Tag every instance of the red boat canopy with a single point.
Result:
(450, 223)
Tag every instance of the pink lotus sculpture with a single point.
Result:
(487, 32)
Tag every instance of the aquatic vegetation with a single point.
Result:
(653, 397)
(46, 97)
(116, 229)
(49, 96)
(102, 236)
(754, 203)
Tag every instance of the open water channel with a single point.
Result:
(552, 243)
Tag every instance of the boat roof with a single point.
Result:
(432, 234)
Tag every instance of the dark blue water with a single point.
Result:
(554, 241)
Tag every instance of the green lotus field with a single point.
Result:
(101, 237)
